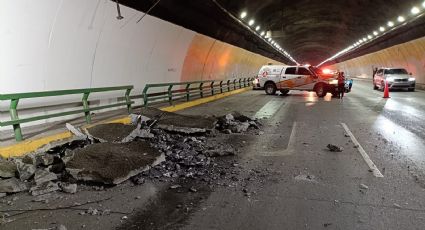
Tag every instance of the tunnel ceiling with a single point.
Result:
(310, 30)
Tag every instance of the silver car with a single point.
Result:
(397, 78)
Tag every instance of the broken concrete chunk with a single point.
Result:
(240, 117)
(220, 151)
(76, 131)
(137, 118)
(111, 132)
(61, 227)
(363, 186)
(110, 163)
(12, 185)
(7, 169)
(3, 194)
(334, 148)
(29, 159)
(239, 127)
(180, 121)
(229, 117)
(45, 159)
(44, 188)
(68, 188)
(43, 176)
(26, 171)
(138, 133)
(185, 130)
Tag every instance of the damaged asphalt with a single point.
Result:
(295, 169)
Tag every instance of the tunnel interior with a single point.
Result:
(311, 31)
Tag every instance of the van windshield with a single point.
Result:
(395, 71)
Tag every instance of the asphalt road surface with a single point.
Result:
(286, 177)
(377, 182)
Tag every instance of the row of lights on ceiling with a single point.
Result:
(257, 28)
(400, 20)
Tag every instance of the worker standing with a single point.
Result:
(341, 84)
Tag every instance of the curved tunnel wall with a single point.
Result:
(409, 55)
(65, 44)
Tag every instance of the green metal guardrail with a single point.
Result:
(202, 88)
(14, 100)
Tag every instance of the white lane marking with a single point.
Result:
(292, 140)
(290, 149)
(269, 109)
(366, 157)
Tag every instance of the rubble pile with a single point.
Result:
(157, 145)
(236, 123)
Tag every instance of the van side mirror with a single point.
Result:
(410, 74)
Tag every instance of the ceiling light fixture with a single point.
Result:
(375, 33)
(382, 29)
(415, 10)
(243, 15)
(390, 24)
(257, 28)
(401, 19)
(251, 22)
(263, 33)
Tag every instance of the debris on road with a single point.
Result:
(7, 169)
(161, 146)
(110, 163)
(334, 148)
(363, 186)
(236, 123)
(12, 185)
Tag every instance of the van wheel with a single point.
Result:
(320, 90)
(284, 92)
(375, 87)
(270, 88)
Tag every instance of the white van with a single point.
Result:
(286, 78)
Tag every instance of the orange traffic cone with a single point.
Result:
(386, 90)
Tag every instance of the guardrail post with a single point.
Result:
(244, 83)
(145, 96)
(221, 86)
(201, 90)
(212, 88)
(187, 92)
(14, 115)
(240, 83)
(170, 94)
(228, 85)
(249, 81)
(234, 84)
(128, 100)
(86, 107)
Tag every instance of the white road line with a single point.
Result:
(292, 140)
(366, 157)
(269, 109)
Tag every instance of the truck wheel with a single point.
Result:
(270, 88)
(320, 90)
(284, 92)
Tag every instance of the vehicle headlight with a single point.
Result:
(412, 79)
